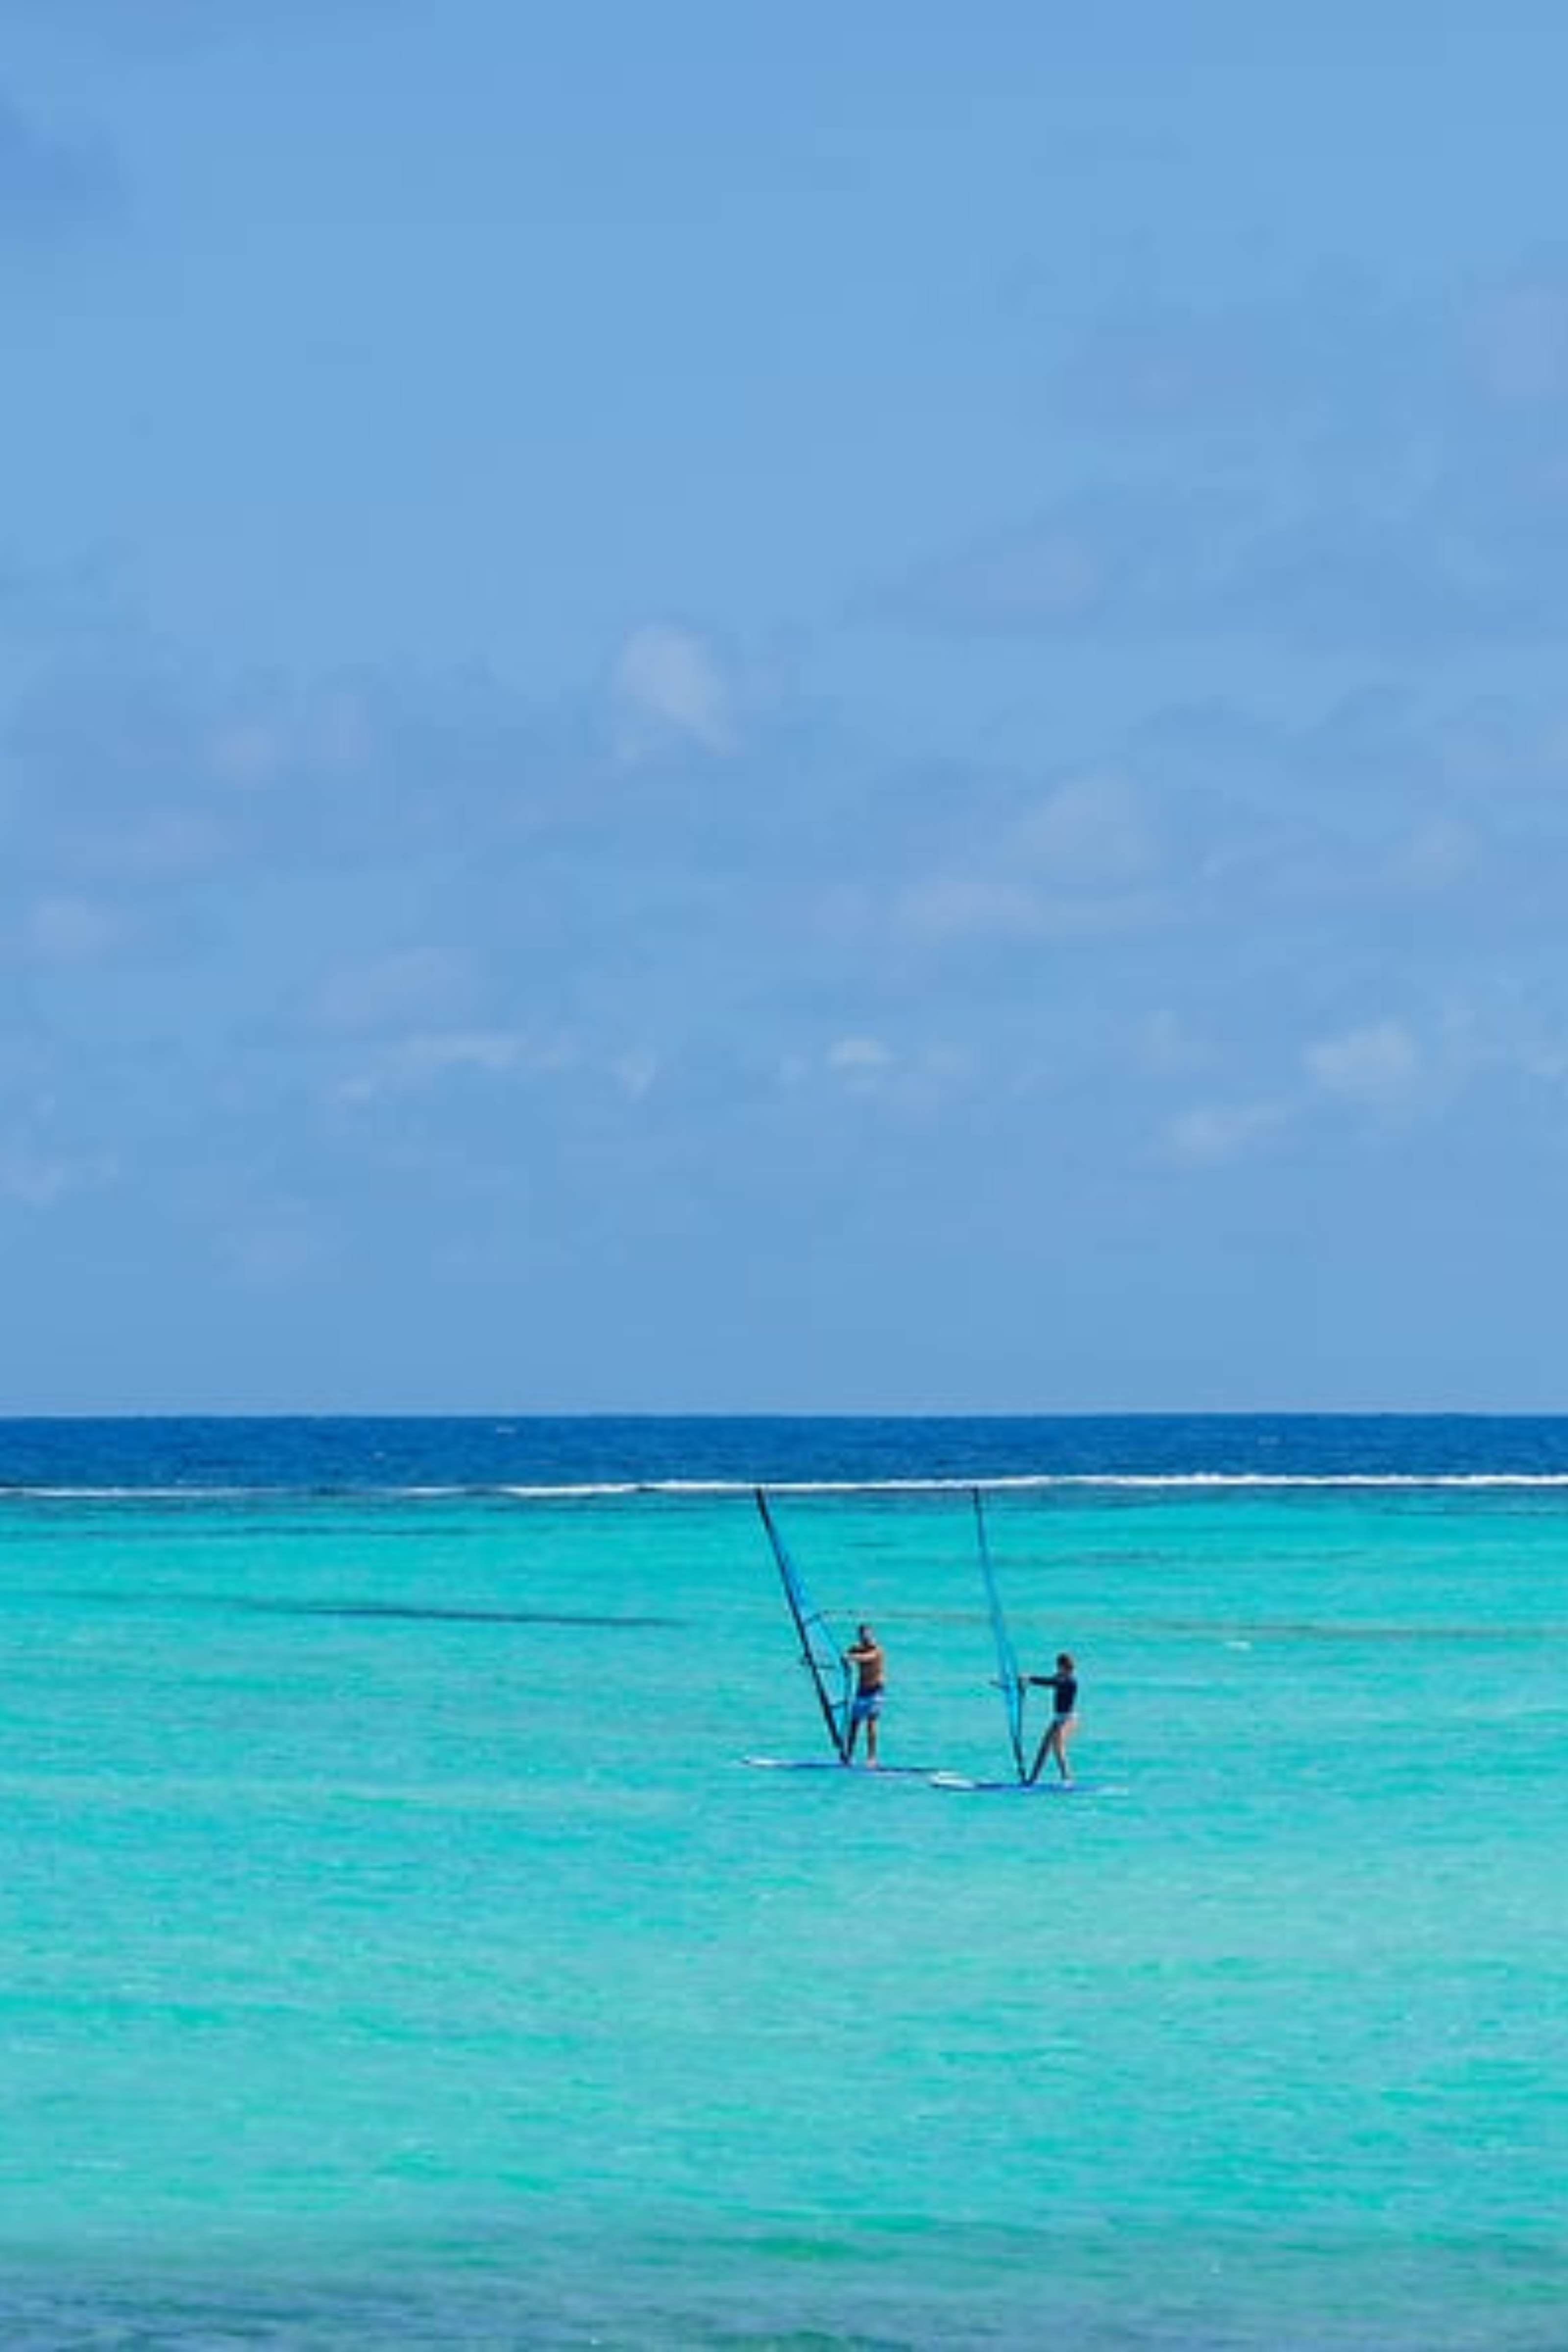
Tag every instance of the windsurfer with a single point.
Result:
(865, 1655)
(1063, 1687)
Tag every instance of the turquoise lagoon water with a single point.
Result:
(393, 1948)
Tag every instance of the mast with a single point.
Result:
(820, 1653)
(1009, 1681)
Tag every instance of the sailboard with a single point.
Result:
(821, 1652)
(961, 1782)
(838, 1764)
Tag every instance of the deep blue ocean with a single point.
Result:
(330, 1456)
(396, 1949)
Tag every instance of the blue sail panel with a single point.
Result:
(1009, 1681)
(821, 1653)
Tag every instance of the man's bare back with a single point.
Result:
(865, 1655)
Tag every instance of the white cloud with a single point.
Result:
(1519, 340)
(341, 734)
(1377, 1065)
(1213, 1133)
(667, 683)
(389, 990)
(1166, 1046)
(1076, 863)
(282, 1249)
(427, 1057)
(1050, 573)
(636, 1074)
(246, 753)
(67, 929)
(1090, 834)
(41, 1179)
(859, 1056)
(912, 1081)
(331, 731)
(961, 907)
(170, 845)
(1437, 853)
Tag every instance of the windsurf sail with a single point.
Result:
(821, 1653)
(1009, 1681)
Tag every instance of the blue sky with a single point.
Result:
(723, 709)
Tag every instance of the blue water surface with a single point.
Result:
(396, 1949)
